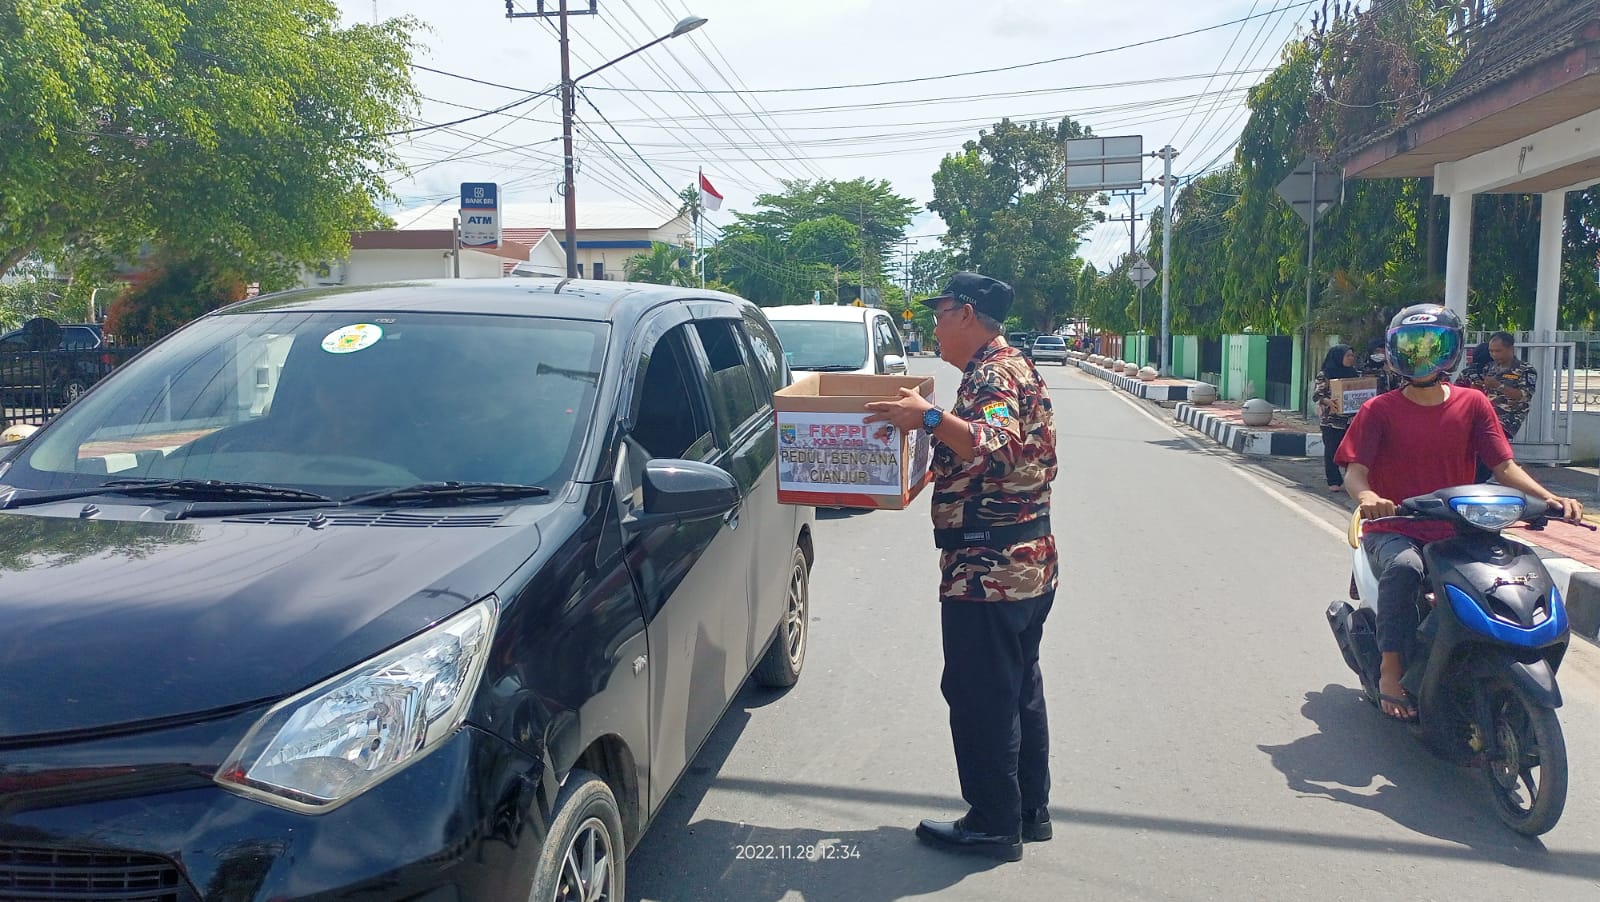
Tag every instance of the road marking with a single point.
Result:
(1236, 469)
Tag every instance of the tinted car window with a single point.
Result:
(766, 348)
(337, 403)
(733, 394)
(669, 421)
(823, 344)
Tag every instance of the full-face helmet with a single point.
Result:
(1424, 342)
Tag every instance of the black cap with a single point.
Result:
(991, 297)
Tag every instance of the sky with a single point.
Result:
(757, 95)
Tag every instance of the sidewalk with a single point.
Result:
(1571, 553)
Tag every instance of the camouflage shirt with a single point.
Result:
(1519, 375)
(1006, 482)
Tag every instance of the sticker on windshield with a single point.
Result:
(350, 339)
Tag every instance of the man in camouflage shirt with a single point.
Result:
(994, 459)
(1509, 383)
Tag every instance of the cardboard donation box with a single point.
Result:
(1349, 394)
(827, 457)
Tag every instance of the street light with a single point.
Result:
(568, 92)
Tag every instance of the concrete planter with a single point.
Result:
(1130, 369)
(1257, 412)
(1202, 393)
(1148, 374)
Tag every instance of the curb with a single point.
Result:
(1133, 386)
(1254, 442)
(1579, 585)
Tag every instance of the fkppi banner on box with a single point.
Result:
(828, 451)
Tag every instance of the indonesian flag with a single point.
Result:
(710, 198)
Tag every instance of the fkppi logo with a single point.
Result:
(786, 433)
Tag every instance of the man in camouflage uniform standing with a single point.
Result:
(994, 459)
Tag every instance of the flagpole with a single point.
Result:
(699, 264)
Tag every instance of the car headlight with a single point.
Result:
(1490, 512)
(327, 745)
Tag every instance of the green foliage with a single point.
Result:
(247, 133)
(663, 265)
(1011, 216)
(35, 289)
(171, 294)
(827, 236)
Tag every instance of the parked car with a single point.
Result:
(423, 591)
(835, 339)
(1022, 341)
(1052, 348)
(51, 364)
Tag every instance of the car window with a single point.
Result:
(810, 344)
(888, 338)
(13, 344)
(669, 420)
(77, 338)
(337, 403)
(767, 350)
(732, 385)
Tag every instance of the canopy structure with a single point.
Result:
(1521, 116)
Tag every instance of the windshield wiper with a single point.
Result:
(828, 368)
(181, 488)
(468, 491)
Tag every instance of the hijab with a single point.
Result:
(1333, 365)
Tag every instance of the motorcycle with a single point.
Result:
(1481, 671)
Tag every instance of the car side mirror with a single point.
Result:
(893, 361)
(687, 490)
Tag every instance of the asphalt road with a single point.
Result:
(1207, 739)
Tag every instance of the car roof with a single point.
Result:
(830, 312)
(581, 299)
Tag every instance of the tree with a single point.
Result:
(663, 265)
(170, 294)
(253, 134)
(879, 216)
(1011, 216)
(930, 270)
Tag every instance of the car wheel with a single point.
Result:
(583, 858)
(70, 390)
(786, 653)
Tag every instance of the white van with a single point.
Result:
(836, 339)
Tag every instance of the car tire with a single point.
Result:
(786, 654)
(584, 855)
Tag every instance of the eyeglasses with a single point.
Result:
(939, 313)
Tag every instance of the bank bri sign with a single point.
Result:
(480, 214)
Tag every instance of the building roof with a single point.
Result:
(1535, 64)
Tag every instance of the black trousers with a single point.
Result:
(1331, 438)
(1397, 560)
(997, 714)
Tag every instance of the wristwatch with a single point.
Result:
(931, 418)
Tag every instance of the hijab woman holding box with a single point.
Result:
(1339, 364)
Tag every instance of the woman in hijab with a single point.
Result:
(1339, 364)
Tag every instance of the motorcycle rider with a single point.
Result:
(1425, 437)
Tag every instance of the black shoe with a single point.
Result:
(1036, 825)
(953, 836)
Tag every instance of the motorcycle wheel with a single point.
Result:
(1528, 777)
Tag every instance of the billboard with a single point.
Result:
(480, 214)
(1105, 164)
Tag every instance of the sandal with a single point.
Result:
(1399, 701)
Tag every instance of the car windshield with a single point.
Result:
(334, 403)
(1046, 341)
(810, 344)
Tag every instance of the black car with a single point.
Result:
(51, 364)
(426, 591)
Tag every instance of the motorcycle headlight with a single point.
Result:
(1491, 512)
(327, 745)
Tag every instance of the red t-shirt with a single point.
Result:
(1412, 449)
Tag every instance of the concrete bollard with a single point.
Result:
(1257, 412)
(1202, 393)
(1148, 374)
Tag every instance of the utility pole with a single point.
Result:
(1167, 154)
(1132, 218)
(455, 247)
(568, 100)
